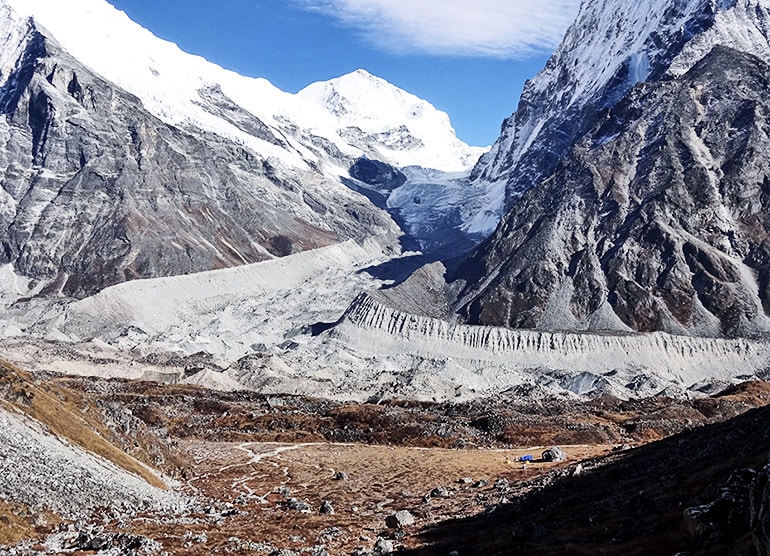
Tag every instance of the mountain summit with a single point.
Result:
(636, 178)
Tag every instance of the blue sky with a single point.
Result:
(469, 59)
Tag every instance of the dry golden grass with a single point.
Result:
(381, 480)
(17, 523)
(55, 410)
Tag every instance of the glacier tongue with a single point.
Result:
(283, 327)
(231, 312)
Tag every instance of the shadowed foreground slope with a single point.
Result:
(632, 503)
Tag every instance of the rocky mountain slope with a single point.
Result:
(122, 157)
(636, 178)
(61, 459)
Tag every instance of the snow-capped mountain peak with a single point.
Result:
(173, 164)
(169, 83)
(410, 131)
(346, 98)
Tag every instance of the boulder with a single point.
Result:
(399, 520)
(299, 505)
(382, 547)
(440, 492)
(554, 454)
(327, 508)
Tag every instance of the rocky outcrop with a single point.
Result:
(612, 46)
(648, 211)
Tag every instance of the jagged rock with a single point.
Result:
(502, 484)
(340, 476)
(726, 518)
(399, 520)
(554, 454)
(327, 508)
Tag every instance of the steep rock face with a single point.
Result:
(612, 46)
(651, 214)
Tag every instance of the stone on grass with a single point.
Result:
(299, 505)
(399, 520)
(382, 547)
(554, 454)
(440, 492)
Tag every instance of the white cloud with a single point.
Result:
(495, 28)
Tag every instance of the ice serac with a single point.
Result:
(637, 178)
(123, 157)
(493, 359)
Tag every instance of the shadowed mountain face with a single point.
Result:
(97, 191)
(655, 218)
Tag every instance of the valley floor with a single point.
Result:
(269, 485)
(290, 475)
